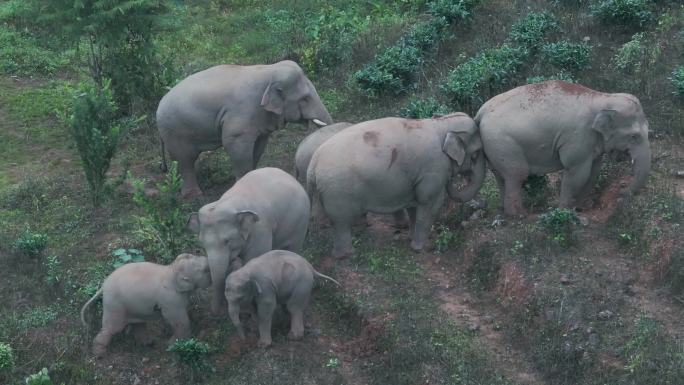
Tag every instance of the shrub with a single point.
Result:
(424, 108)
(567, 56)
(636, 54)
(40, 378)
(192, 353)
(124, 256)
(564, 76)
(54, 271)
(452, 9)
(31, 244)
(162, 227)
(531, 30)
(560, 225)
(627, 14)
(21, 55)
(96, 130)
(470, 83)
(677, 79)
(6, 358)
(445, 238)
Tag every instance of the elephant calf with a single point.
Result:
(390, 164)
(277, 277)
(264, 210)
(139, 292)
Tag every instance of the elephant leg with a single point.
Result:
(296, 306)
(513, 195)
(265, 309)
(259, 147)
(400, 220)
(342, 238)
(574, 180)
(177, 316)
(241, 152)
(423, 222)
(589, 186)
(411, 211)
(113, 322)
(186, 167)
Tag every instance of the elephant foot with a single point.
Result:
(417, 246)
(99, 350)
(264, 343)
(294, 336)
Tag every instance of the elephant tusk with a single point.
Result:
(319, 123)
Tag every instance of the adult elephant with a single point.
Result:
(237, 107)
(390, 164)
(540, 128)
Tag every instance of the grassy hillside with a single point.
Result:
(543, 300)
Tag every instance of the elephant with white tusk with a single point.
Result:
(390, 164)
(236, 107)
(541, 128)
(264, 210)
(139, 292)
(277, 277)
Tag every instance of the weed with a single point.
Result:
(333, 362)
(162, 228)
(192, 353)
(452, 9)
(560, 225)
(677, 80)
(21, 55)
(37, 317)
(6, 358)
(484, 271)
(445, 238)
(31, 243)
(564, 76)
(627, 14)
(40, 378)
(53, 270)
(424, 108)
(531, 31)
(124, 256)
(567, 56)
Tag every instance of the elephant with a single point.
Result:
(264, 210)
(309, 145)
(390, 164)
(236, 107)
(277, 277)
(139, 292)
(541, 128)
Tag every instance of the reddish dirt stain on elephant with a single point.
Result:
(371, 137)
(395, 152)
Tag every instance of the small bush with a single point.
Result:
(162, 227)
(560, 225)
(31, 244)
(40, 378)
(124, 256)
(531, 30)
(470, 83)
(6, 358)
(53, 270)
(192, 353)
(567, 56)
(636, 54)
(445, 239)
(21, 55)
(452, 9)
(564, 76)
(424, 109)
(628, 14)
(96, 129)
(677, 79)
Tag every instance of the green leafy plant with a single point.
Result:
(636, 55)
(38, 317)
(560, 225)
(531, 31)
(445, 238)
(192, 353)
(40, 378)
(333, 362)
(652, 357)
(567, 56)
(6, 358)
(162, 227)
(124, 256)
(424, 108)
(677, 79)
(31, 244)
(22, 55)
(53, 270)
(96, 129)
(452, 9)
(627, 14)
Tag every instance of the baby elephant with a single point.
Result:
(139, 292)
(277, 277)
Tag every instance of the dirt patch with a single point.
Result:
(511, 286)
(607, 202)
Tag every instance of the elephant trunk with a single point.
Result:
(234, 314)
(476, 181)
(642, 166)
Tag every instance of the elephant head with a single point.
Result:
(463, 145)
(622, 126)
(292, 96)
(241, 289)
(191, 272)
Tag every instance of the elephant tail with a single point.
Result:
(83, 309)
(316, 273)
(163, 166)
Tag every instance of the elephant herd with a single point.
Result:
(252, 233)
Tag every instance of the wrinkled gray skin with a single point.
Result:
(308, 146)
(390, 164)
(236, 107)
(266, 209)
(551, 126)
(136, 293)
(276, 278)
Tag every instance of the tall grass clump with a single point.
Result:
(96, 128)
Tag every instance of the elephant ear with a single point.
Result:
(454, 147)
(273, 100)
(256, 287)
(181, 267)
(246, 220)
(604, 123)
(287, 272)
